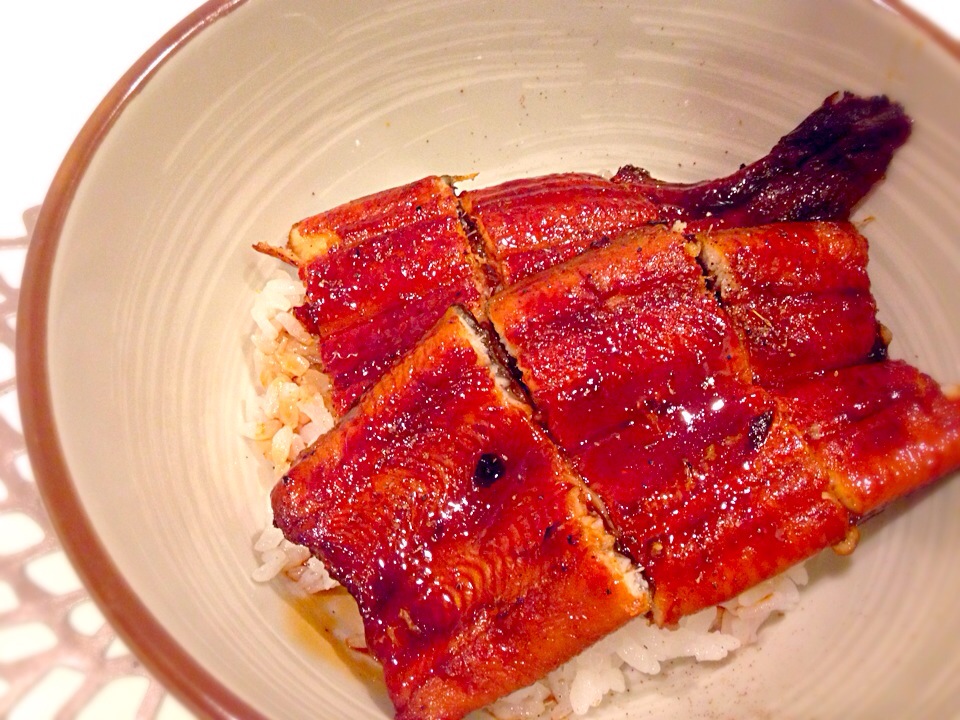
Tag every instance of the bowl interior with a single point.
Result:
(281, 109)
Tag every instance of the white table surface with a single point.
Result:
(58, 58)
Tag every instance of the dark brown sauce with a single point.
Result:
(319, 624)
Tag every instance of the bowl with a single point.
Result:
(133, 336)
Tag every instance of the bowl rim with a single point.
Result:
(129, 617)
(160, 653)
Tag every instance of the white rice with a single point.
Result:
(622, 660)
(278, 555)
(292, 412)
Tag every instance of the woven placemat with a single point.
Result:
(58, 657)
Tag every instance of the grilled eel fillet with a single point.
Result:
(476, 555)
(720, 442)
(380, 270)
(475, 543)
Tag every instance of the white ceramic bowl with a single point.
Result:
(133, 353)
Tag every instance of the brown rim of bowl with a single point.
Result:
(154, 646)
(128, 615)
(925, 24)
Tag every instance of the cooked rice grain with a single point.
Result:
(306, 574)
(292, 411)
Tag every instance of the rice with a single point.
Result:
(278, 555)
(624, 660)
(292, 411)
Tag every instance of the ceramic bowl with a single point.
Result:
(133, 347)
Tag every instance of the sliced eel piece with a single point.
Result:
(753, 505)
(476, 555)
(622, 334)
(370, 216)
(531, 224)
(799, 295)
(711, 509)
(379, 271)
(819, 171)
(641, 377)
(371, 302)
(882, 430)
